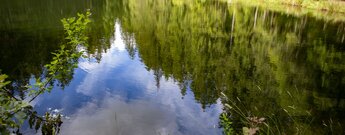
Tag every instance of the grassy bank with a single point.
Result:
(324, 5)
(327, 10)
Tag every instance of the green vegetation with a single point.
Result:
(15, 109)
(283, 73)
(226, 124)
(334, 12)
(324, 5)
(280, 68)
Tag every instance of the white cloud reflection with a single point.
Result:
(116, 117)
(113, 58)
(163, 112)
(155, 112)
(110, 59)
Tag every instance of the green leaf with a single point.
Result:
(24, 104)
(31, 120)
(20, 116)
(38, 124)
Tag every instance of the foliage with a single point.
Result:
(66, 58)
(8, 107)
(75, 29)
(226, 124)
(287, 7)
(322, 5)
(15, 110)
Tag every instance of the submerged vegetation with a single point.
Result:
(16, 109)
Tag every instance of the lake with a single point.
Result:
(173, 67)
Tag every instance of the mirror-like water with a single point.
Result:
(159, 67)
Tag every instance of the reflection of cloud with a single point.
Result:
(114, 116)
(190, 115)
(110, 60)
(88, 66)
(118, 42)
(157, 112)
(163, 112)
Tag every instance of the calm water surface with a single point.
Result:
(118, 95)
(159, 67)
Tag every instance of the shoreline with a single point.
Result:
(334, 6)
(295, 9)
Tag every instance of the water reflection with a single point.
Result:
(289, 68)
(163, 51)
(122, 98)
(115, 116)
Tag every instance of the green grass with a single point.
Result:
(327, 10)
(324, 5)
(258, 122)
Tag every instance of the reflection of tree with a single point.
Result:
(24, 62)
(14, 110)
(270, 61)
(37, 25)
(130, 43)
(102, 32)
(21, 59)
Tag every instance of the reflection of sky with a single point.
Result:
(118, 96)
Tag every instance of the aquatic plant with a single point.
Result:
(226, 124)
(251, 122)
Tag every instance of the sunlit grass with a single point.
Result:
(326, 10)
(259, 122)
